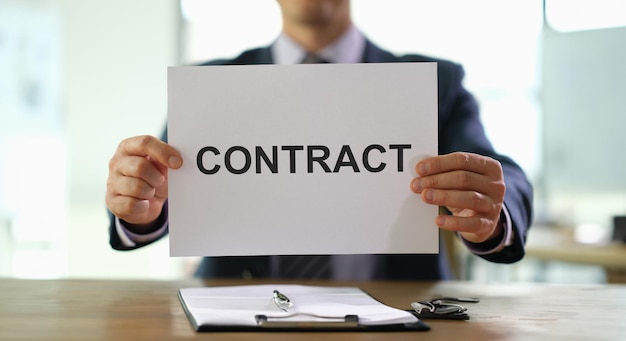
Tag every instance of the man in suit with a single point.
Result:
(487, 196)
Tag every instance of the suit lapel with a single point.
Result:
(374, 54)
(264, 56)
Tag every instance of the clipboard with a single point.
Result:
(231, 308)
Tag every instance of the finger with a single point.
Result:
(131, 187)
(153, 148)
(470, 200)
(451, 180)
(140, 168)
(476, 224)
(462, 180)
(459, 161)
(125, 207)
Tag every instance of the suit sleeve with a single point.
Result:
(460, 129)
(116, 242)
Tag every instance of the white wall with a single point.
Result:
(32, 150)
(116, 54)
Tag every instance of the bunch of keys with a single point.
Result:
(442, 308)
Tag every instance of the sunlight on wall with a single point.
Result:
(580, 15)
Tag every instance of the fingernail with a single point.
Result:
(440, 220)
(416, 185)
(423, 168)
(174, 162)
(429, 195)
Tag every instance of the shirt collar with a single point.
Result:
(348, 48)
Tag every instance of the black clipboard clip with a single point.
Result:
(279, 322)
(346, 323)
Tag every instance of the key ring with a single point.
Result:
(441, 307)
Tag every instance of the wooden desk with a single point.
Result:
(149, 310)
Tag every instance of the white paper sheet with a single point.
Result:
(351, 109)
(238, 305)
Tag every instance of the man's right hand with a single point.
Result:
(137, 182)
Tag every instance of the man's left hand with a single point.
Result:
(470, 186)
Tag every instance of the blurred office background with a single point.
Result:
(78, 76)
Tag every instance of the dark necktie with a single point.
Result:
(305, 267)
(312, 58)
(312, 266)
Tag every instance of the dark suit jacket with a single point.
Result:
(460, 129)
